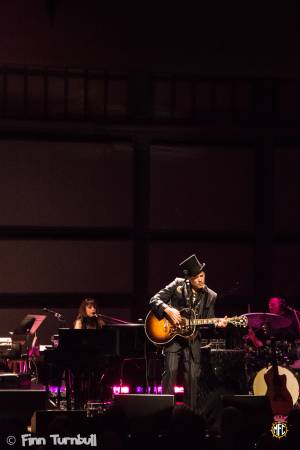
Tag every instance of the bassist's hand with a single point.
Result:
(173, 314)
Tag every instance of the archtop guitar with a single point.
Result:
(162, 331)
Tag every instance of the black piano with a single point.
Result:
(83, 354)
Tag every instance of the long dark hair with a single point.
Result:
(82, 308)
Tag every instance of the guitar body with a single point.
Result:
(162, 331)
(277, 392)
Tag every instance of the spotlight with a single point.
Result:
(122, 390)
(139, 389)
(178, 390)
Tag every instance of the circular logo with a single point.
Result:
(279, 429)
(11, 440)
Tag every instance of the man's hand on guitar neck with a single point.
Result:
(173, 314)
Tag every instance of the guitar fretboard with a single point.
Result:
(204, 321)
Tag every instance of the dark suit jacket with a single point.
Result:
(175, 294)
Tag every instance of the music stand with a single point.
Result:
(28, 326)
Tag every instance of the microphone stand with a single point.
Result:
(189, 301)
(57, 315)
(113, 319)
(296, 314)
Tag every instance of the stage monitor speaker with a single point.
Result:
(141, 405)
(18, 405)
(58, 421)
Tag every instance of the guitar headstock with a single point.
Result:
(238, 321)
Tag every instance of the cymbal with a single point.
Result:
(273, 321)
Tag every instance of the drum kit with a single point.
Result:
(279, 356)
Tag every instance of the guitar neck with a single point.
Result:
(209, 321)
(236, 321)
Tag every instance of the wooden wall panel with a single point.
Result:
(62, 266)
(55, 184)
(203, 188)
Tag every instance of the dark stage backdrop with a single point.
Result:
(133, 136)
(53, 195)
(67, 225)
(223, 38)
(65, 184)
(205, 193)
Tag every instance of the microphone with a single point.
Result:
(188, 288)
(186, 274)
(56, 314)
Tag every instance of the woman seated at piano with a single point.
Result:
(88, 316)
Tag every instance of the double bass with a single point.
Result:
(280, 398)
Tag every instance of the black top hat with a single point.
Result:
(191, 266)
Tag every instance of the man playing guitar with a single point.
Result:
(189, 293)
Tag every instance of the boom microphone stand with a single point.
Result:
(111, 319)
